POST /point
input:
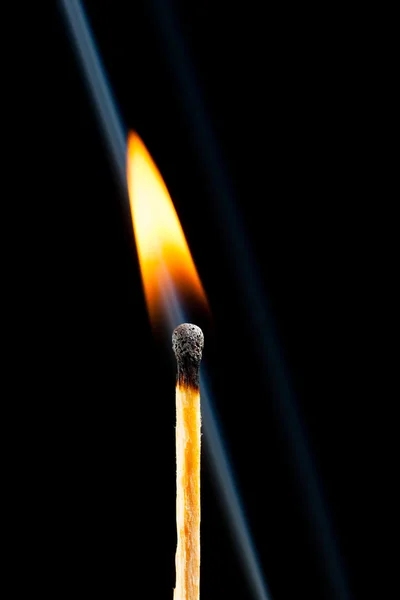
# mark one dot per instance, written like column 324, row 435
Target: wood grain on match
column 187, row 341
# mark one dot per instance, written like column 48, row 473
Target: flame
column 166, row 264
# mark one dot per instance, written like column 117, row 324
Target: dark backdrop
column 280, row 89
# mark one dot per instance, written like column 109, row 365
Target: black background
column 282, row 91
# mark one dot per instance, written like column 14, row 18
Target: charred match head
column 187, row 343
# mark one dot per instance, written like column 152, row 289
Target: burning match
column 171, row 284
column 168, row 272
column 187, row 343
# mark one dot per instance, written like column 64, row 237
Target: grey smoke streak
column 115, row 136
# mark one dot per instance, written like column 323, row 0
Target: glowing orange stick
column 187, row 341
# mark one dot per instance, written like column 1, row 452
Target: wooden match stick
column 187, row 343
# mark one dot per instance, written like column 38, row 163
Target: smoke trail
column 115, row 136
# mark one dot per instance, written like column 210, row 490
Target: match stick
column 187, row 343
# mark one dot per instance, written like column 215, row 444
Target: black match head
column 188, row 343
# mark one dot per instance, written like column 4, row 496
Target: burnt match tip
column 188, row 343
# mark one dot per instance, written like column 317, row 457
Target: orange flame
column 165, row 261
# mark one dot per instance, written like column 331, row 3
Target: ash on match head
column 188, row 343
